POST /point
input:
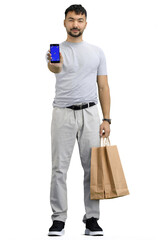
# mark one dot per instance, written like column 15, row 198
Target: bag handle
column 105, row 142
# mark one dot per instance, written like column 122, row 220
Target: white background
column 128, row 32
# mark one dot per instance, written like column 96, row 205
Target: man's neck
column 74, row 39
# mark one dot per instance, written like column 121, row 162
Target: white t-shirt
column 77, row 82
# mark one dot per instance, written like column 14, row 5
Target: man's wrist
column 107, row 119
column 54, row 69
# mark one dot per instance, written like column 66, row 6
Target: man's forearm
column 104, row 97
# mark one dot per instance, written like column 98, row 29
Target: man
column 75, row 116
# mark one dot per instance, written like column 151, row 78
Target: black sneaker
column 57, row 228
column 92, row 227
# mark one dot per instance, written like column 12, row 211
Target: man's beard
column 76, row 35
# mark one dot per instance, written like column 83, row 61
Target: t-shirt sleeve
column 102, row 68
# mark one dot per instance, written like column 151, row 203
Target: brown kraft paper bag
column 107, row 178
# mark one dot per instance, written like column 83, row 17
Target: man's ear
column 86, row 25
column 64, row 23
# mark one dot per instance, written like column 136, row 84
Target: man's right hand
column 56, row 65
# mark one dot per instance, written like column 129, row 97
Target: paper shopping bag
column 107, row 178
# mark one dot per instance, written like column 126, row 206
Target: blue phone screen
column 55, row 53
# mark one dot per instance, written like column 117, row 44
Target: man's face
column 75, row 24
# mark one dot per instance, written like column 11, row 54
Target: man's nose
column 75, row 24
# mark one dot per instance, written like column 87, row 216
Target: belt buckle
column 81, row 105
column 86, row 104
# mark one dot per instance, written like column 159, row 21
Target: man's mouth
column 75, row 30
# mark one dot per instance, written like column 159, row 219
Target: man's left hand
column 106, row 127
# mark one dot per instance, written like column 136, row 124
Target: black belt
column 81, row 106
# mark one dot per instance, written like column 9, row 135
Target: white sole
column 95, row 233
column 54, row 233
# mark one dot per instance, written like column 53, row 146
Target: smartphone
column 55, row 55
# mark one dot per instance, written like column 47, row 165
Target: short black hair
column 77, row 8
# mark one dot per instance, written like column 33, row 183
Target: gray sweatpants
column 67, row 126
